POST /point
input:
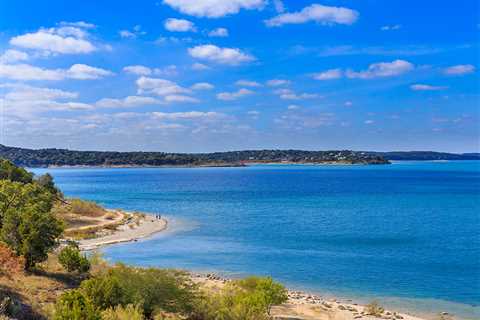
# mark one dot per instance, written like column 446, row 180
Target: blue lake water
column 406, row 233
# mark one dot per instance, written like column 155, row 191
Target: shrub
column 10, row 263
column 130, row 312
column 374, row 309
column 72, row 260
column 73, row 305
column 248, row 299
column 151, row 289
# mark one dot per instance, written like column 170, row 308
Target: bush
column 130, row 312
column 72, row 260
column 73, row 305
column 374, row 309
column 10, row 263
column 150, row 289
column 248, row 299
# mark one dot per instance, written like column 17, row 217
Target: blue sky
column 212, row 75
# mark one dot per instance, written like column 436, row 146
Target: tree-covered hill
column 63, row 157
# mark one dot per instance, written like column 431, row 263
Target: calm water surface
column 408, row 233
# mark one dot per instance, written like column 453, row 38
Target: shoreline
column 301, row 305
column 130, row 231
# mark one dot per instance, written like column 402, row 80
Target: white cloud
column 234, row 95
column 230, row 56
column 279, row 6
column 26, row 92
column 247, row 83
column 179, row 25
column 127, row 34
column 199, row 66
column 213, row 8
column 287, row 94
column 318, row 13
column 426, row 87
column 138, row 70
column 127, row 102
column 277, row 82
column 190, row 115
column 391, row 27
column 348, row 103
column 219, row 32
column 78, row 24
column 86, row 72
column 12, row 55
column 160, row 87
column 369, row 122
column 180, row 98
column 29, row 72
column 293, row 107
column 382, row 69
column 202, row 86
column 136, row 32
column 170, row 70
column 328, row 75
column 460, row 69
column 63, row 40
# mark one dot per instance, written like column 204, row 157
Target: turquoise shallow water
column 408, row 233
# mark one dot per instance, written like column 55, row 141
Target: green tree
column 27, row 226
column 273, row 293
column 72, row 260
column 46, row 182
column 73, row 305
column 9, row 171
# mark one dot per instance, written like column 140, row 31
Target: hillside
column 63, row 157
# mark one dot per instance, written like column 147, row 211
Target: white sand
column 128, row 232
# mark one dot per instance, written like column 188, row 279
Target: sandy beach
column 130, row 231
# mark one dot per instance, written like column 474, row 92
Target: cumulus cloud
column 180, row 98
column 202, row 86
column 426, row 87
column 293, row 107
column 199, row 66
column 460, row 69
column 133, row 34
column 228, row 96
column 26, row 92
column 277, row 82
column 127, row 102
column 328, row 75
column 247, row 83
column 213, row 8
column 63, row 40
column 279, row 6
column 316, row 13
column 29, row 72
column 382, row 69
column 160, row 87
column 78, row 24
column 229, row 56
column 86, row 72
column 12, row 55
column 189, row 115
column 138, row 70
column 179, row 25
column 287, row 94
column 218, row 32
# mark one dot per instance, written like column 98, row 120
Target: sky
column 217, row 75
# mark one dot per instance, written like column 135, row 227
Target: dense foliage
column 62, row 157
column 72, row 260
column 27, row 225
